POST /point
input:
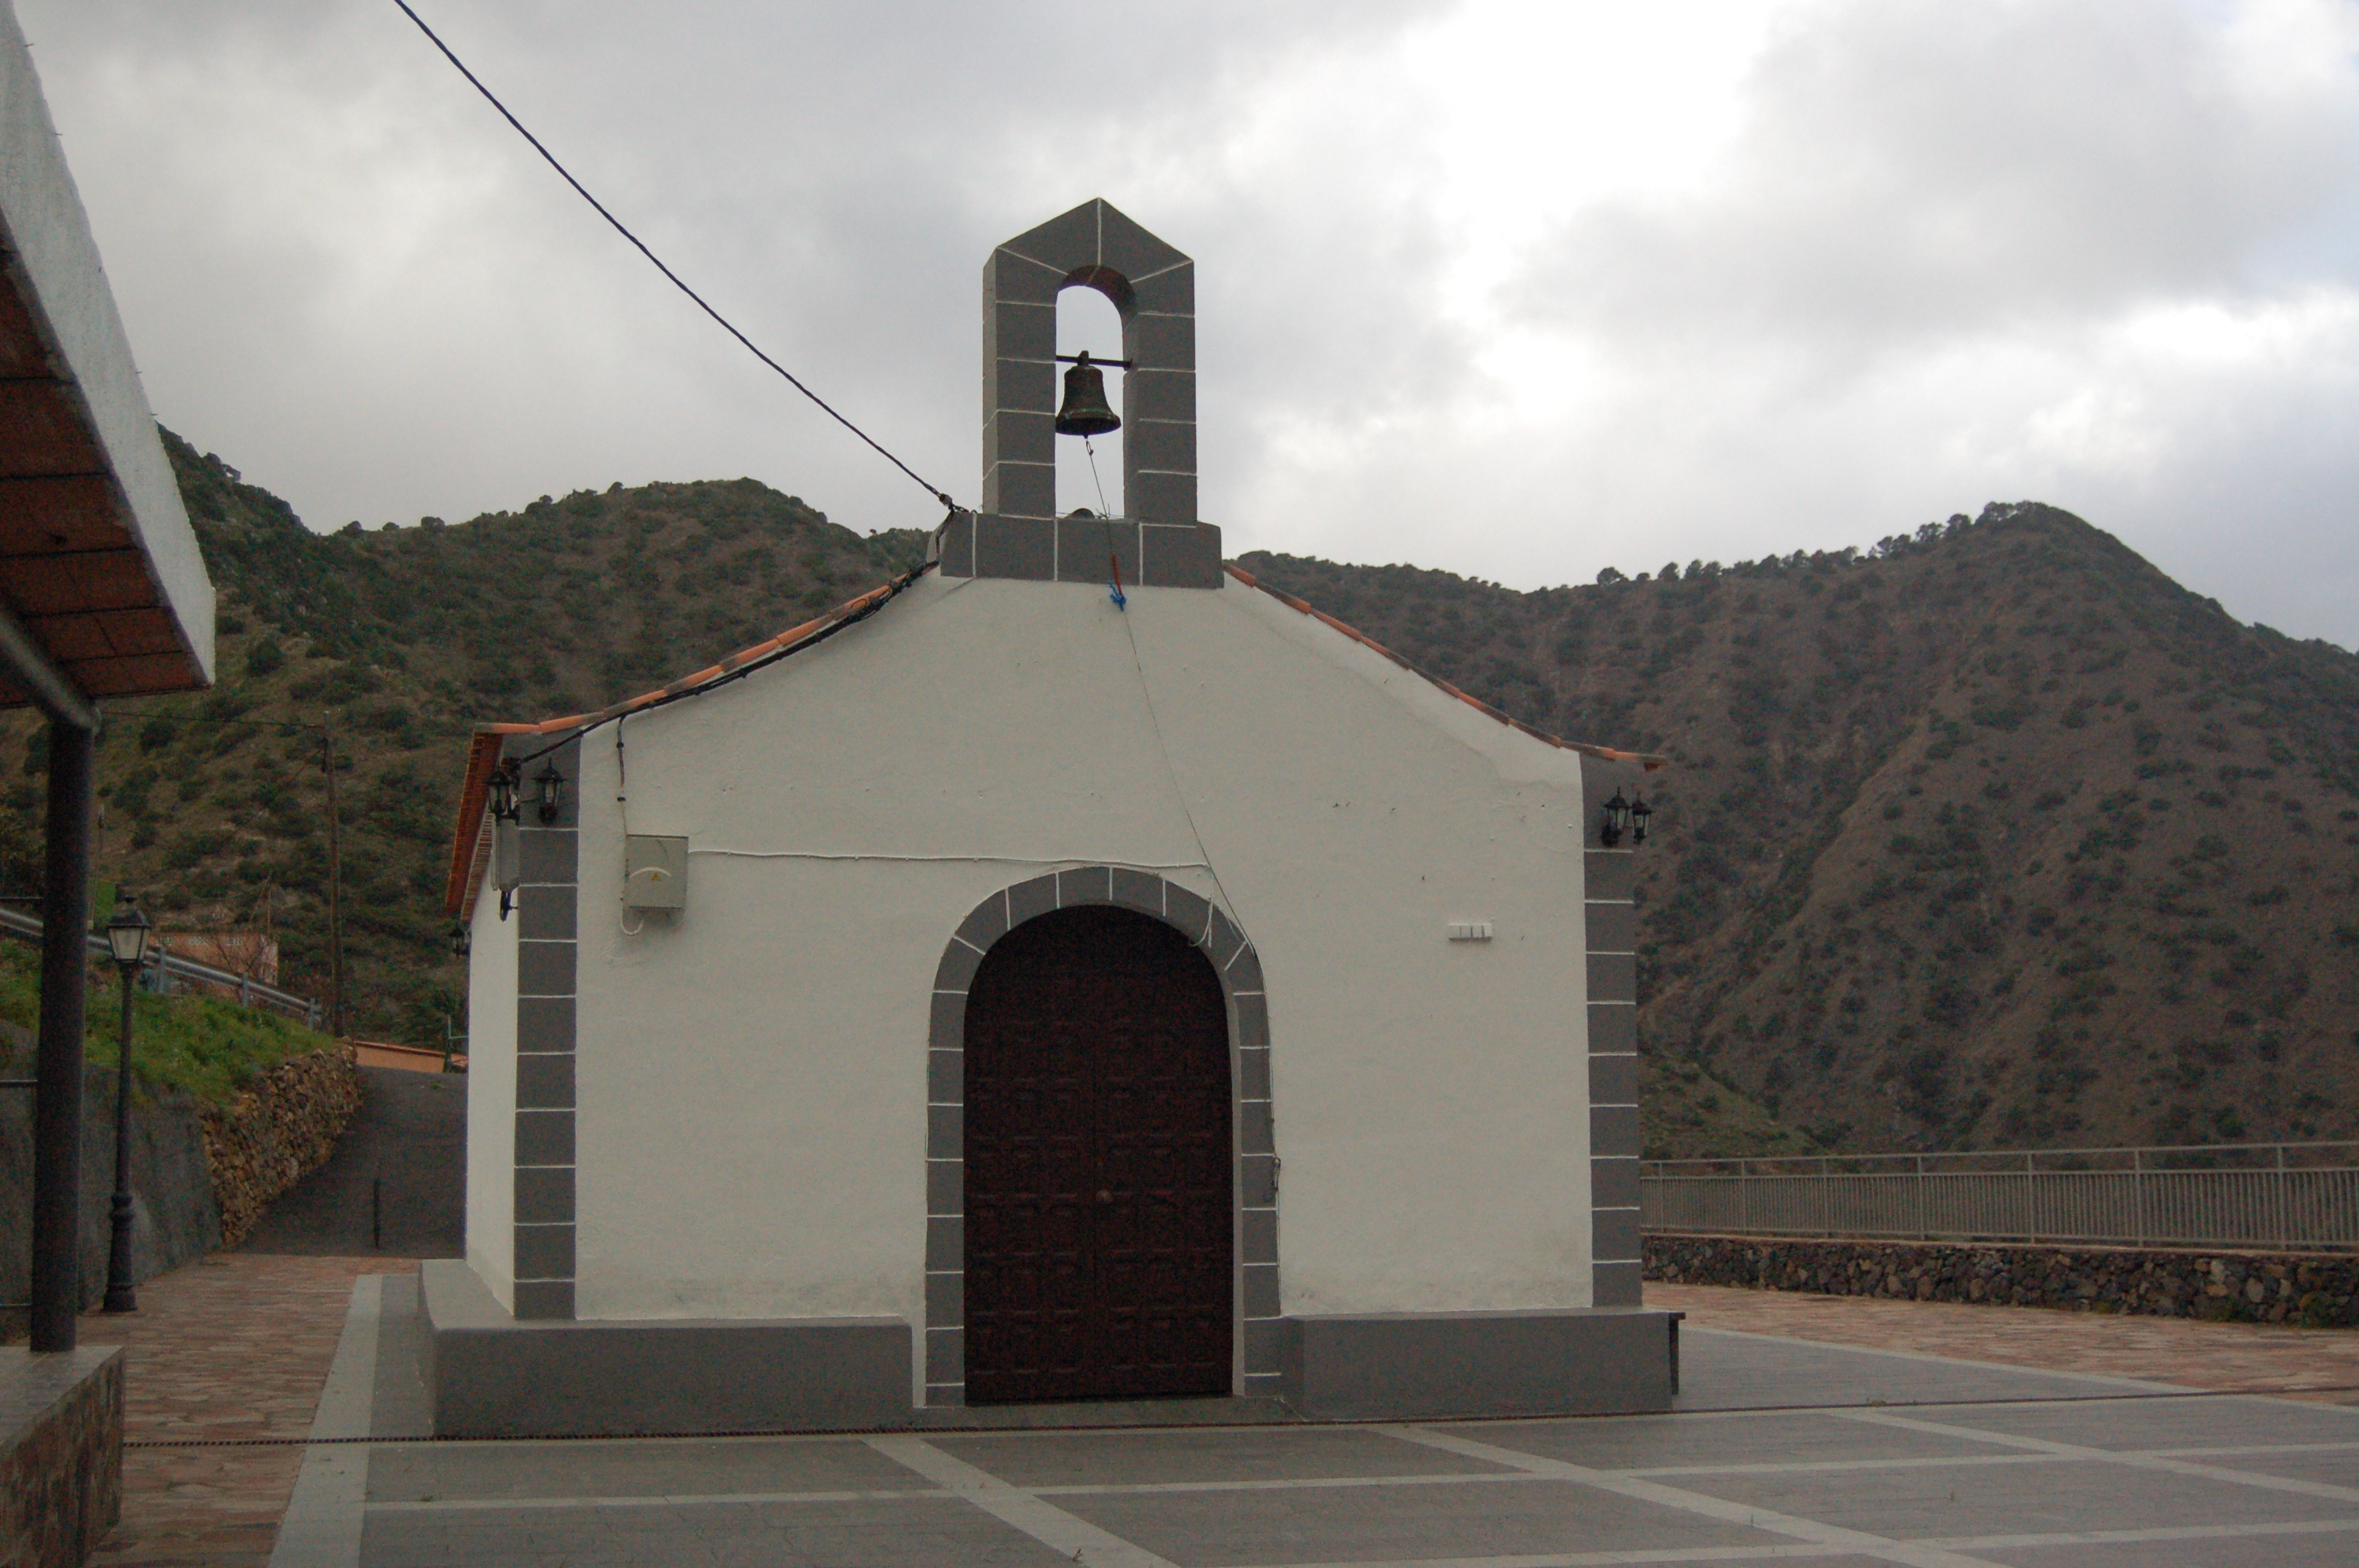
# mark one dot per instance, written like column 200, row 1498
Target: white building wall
column 750, row 1120
column 491, row 1098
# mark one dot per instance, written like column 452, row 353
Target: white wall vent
column 1470, row 931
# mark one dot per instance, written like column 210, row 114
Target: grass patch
column 208, row 1046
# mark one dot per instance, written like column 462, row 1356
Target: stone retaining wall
column 276, row 1132
column 2318, row 1290
column 173, row 1217
column 199, row 1177
column 61, row 1455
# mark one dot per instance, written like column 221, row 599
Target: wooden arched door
column 1099, row 1185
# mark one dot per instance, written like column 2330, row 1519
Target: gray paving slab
column 2031, row 1498
column 403, row 1405
column 1398, row 1523
column 1634, row 1443
column 1944, row 1457
column 2299, row 1547
column 2214, row 1422
column 2331, row 1469
column 1134, row 1458
column 648, row 1467
column 1719, row 1369
column 924, row 1532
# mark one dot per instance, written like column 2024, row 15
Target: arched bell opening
column 1090, row 321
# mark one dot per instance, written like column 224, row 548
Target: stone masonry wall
column 275, row 1132
column 2318, row 1290
column 61, row 1455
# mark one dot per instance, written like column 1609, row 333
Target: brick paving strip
column 235, row 1346
column 2318, row 1364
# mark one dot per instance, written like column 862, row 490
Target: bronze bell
column 1085, row 411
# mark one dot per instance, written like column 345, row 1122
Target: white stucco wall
column 491, row 1098
column 751, row 1123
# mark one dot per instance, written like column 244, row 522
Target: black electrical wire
column 940, row 496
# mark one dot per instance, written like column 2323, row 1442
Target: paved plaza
column 1812, row 1432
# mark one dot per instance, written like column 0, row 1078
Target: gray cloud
column 1912, row 170
column 1519, row 291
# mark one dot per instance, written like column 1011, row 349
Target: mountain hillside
column 214, row 805
column 1991, row 836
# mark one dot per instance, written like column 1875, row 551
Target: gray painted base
column 1420, row 1365
column 490, row 1376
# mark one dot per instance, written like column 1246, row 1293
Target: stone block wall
column 275, row 1132
column 201, row 1177
column 61, row 1455
column 2316, row 1290
column 173, row 1214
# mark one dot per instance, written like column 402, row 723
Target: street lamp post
column 127, row 934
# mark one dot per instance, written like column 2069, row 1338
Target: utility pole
column 336, row 888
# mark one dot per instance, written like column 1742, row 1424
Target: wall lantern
column 463, row 939
column 1641, row 814
column 507, row 844
column 504, row 790
column 551, row 784
column 1613, row 820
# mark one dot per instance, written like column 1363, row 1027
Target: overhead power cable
column 726, row 326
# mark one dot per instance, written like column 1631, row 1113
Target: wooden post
column 335, row 889
column 57, row 1103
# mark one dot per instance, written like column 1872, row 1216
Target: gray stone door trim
column 1260, row 1367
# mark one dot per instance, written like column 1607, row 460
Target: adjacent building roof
column 101, row 579
column 471, row 841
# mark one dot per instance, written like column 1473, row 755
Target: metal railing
column 2302, row 1197
column 251, row 991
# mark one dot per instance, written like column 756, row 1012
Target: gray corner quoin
column 1611, row 920
column 547, row 917
column 1259, row 1358
column 1017, row 534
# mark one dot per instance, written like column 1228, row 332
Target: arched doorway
column 1099, row 1201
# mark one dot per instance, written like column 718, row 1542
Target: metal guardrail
column 2299, row 1197
column 251, row 992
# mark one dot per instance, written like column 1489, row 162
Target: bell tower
column 1017, row 534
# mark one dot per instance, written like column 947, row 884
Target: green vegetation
column 1989, row 835
column 214, row 805
column 208, row 1046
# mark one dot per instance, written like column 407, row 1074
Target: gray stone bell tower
column 1017, row 534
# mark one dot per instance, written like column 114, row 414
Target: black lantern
column 126, row 932
column 551, row 784
column 1641, row 814
column 1613, row 820
column 504, row 790
column 463, row 939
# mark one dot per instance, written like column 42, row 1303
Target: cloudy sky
column 1520, row 291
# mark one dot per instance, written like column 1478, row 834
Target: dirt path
column 2322, row 1364
column 411, row 1137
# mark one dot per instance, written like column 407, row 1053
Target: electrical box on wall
column 655, row 872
